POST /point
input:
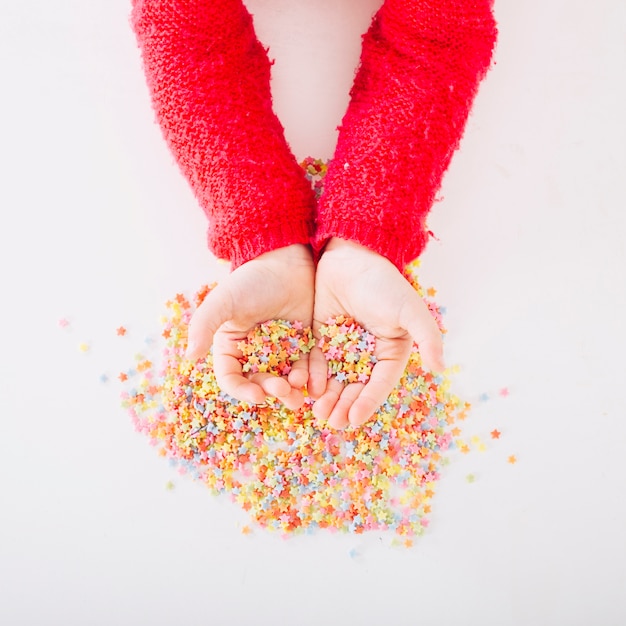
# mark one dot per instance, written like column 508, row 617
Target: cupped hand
column 275, row 285
column 356, row 281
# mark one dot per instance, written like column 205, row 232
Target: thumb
column 205, row 322
column 418, row 321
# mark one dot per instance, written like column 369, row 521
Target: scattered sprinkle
column 104, row 378
column 504, row 392
column 512, row 459
column 495, row 434
column 289, row 472
column 121, row 331
column 83, row 347
column 63, row 323
column 169, row 485
column 470, row 478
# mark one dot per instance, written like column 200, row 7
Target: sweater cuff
column 252, row 242
column 399, row 247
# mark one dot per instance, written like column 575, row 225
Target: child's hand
column 356, row 281
column 276, row 285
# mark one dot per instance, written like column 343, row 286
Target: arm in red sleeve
column 209, row 79
column 421, row 63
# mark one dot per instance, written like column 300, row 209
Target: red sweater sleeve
column 421, row 63
column 209, row 79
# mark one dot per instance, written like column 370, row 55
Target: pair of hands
column 284, row 284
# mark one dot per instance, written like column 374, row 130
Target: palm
column 275, row 285
column 351, row 279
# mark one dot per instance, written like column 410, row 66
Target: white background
column 98, row 226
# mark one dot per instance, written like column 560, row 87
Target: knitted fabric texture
column 421, row 63
column 420, row 67
column 209, row 79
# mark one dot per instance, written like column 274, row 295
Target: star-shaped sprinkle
column 63, row 323
column 512, row 459
column 495, row 434
column 83, row 347
column 121, row 331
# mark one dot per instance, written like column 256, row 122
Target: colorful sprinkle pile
column 315, row 170
column 349, row 350
column 290, row 472
column 274, row 346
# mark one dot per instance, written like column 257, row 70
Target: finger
column 299, row 375
column 339, row 415
column 323, row 406
column 385, row 376
column 417, row 319
column 240, row 388
column 431, row 353
column 206, row 320
column 280, row 388
column 294, row 400
column 229, row 374
column 318, row 373
column 271, row 384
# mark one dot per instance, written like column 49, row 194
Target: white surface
column 98, row 226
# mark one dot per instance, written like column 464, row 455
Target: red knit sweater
column 209, row 78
